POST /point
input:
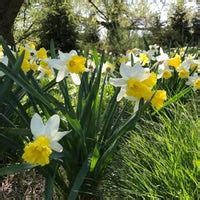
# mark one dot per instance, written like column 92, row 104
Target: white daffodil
column 163, row 57
column 194, row 81
column 46, row 137
column 136, row 83
column 49, row 130
column 68, row 64
column 108, row 67
column 193, row 64
column 164, row 71
column 184, row 70
column 153, row 51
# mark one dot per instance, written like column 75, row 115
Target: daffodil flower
column 163, row 57
column 108, row 67
column 175, row 61
column 68, row 64
column 194, row 81
column 45, row 139
column 136, row 83
column 184, row 70
column 164, row 71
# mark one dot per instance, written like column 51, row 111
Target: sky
column 162, row 6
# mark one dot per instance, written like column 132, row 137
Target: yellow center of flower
column 175, row 61
column 42, row 53
column 38, row 151
column 158, row 99
column 183, row 73
column 76, row 64
column 197, row 84
column 167, row 74
column 151, row 81
column 138, row 89
column 144, row 59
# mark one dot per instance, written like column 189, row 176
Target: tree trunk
column 8, row 12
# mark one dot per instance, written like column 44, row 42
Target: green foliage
column 56, row 24
column 88, row 149
column 158, row 160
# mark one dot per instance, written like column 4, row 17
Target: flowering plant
column 35, row 87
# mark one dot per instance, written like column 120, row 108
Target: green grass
column 157, row 161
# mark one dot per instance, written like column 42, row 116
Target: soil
column 23, row 186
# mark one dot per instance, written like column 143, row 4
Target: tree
column 8, row 12
column 196, row 29
column 57, row 25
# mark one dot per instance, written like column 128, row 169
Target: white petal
column 60, row 76
column 117, row 82
column 63, row 56
column 75, row 78
column 59, row 135
column 139, row 73
column 52, row 126
column 56, row 146
column 72, row 53
column 125, row 70
column 37, row 126
column 57, row 64
column 121, row 94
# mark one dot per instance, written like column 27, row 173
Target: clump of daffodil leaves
column 67, row 90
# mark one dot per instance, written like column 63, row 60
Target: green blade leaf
column 78, row 181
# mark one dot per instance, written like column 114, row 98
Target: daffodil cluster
column 138, row 83
column 166, row 65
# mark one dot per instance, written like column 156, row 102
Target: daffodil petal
column 125, row 70
column 59, row 135
column 117, row 82
column 76, row 78
column 56, row 64
column 60, row 76
column 52, row 126
column 56, row 146
column 72, row 53
column 63, row 56
column 37, row 126
column 121, row 94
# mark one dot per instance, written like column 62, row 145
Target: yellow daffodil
column 68, row 63
column 175, row 61
column 46, row 139
column 144, row 59
column 194, row 81
column 158, row 99
column 136, row 83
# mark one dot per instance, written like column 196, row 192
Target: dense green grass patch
column 159, row 159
